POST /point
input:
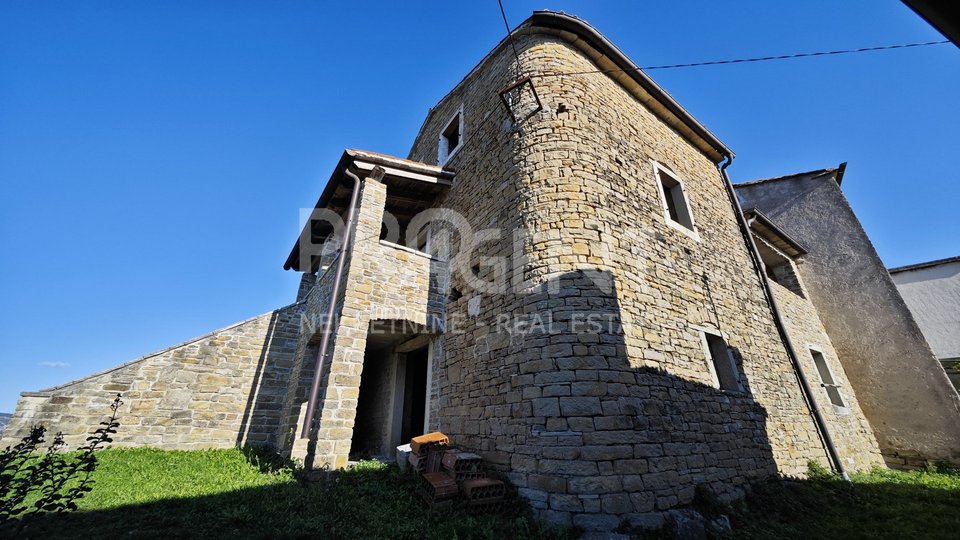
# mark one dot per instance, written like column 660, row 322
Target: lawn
column 148, row 493
column 881, row 504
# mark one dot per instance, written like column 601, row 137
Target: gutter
column 328, row 326
column 818, row 419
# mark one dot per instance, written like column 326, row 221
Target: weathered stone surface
column 219, row 390
column 571, row 358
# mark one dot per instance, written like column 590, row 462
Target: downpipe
column 778, row 320
column 328, row 326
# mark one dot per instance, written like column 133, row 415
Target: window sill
column 692, row 233
column 410, row 250
column 450, row 155
column 840, row 411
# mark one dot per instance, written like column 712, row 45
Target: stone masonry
column 602, row 427
column 857, row 444
column 903, row 391
column 383, row 282
column 220, row 390
column 566, row 333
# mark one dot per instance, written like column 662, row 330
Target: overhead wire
column 510, row 37
column 748, row 60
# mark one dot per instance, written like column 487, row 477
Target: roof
column 421, row 181
column 772, row 233
column 609, row 58
column 944, row 16
column 837, row 172
column 921, row 266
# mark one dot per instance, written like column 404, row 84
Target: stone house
column 559, row 276
column 903, row 391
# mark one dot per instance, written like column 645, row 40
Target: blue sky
column 154, row 155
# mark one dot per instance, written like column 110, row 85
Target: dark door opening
column 414, row 395
column 372, row 422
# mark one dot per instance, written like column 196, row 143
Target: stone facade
column 559, row 316
column 220, row 390
column 853, row 435
column 384, row 282
column 910, row 403
column 600, row 427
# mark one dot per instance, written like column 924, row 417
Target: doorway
column 372, row 422
column 413, row 413
column 392, row 404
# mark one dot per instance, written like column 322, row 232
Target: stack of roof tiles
column 446, row 473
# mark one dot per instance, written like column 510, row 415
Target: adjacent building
column 912, row 407
column 932, row 292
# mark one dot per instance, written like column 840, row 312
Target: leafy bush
column 34, row 481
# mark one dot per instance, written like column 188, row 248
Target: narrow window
column 423, row 240
column 451, row 138
column 721, row 363
column 826, row 378
column 675, row 205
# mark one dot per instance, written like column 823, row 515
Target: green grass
column 877, row 505
column 148, row 493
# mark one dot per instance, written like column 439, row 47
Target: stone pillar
column 338, row 407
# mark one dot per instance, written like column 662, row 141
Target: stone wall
column 219, row 390
column 849, row 428
column 381, row 282
column 600, row 426
column 912, row 406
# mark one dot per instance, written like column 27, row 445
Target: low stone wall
column 218, row 390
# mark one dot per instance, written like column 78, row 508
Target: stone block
column 580, row 406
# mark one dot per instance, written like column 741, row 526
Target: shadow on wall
column 268, row 388
column 593, row 434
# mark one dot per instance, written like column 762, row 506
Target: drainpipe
column 778, row 320
column 331, row 309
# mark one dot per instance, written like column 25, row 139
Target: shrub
column 34, row 481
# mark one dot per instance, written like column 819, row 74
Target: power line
column 746, row 60
column 510, row 36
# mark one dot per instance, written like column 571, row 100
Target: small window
column 723, row 368
column 674, row 198
column 423, row 240
column 451, row 138
column 778, row 267
column 826, row 378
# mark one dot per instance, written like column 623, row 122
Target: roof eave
column 668, row 107
column 921, row 266
column 362, row 163
column 790, row 246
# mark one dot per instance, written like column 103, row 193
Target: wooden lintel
column 414, row 343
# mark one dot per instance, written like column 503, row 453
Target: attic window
column 676, row 209
column 451, row 138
